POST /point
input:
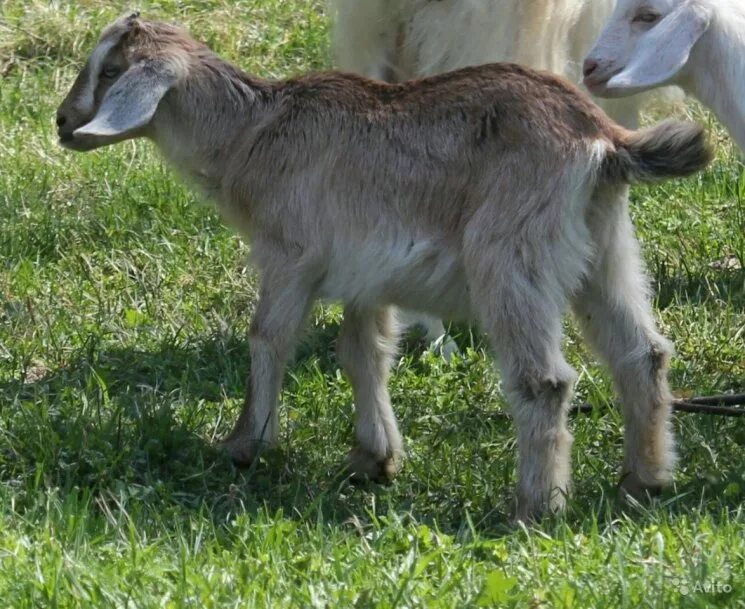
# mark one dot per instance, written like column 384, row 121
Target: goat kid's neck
column 206, row 118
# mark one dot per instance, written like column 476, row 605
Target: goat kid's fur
column 698, row 45
column 495, row 194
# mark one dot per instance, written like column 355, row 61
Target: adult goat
column 698, row 45
column 398, row 40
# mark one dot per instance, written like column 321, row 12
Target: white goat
column 696, row 44
column 397, row 40
column 493, row 194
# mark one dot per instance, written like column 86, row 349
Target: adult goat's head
column 647, row 43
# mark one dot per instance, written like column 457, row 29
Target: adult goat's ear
column 663, row 50
column 130, row 103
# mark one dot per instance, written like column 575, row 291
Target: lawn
column 124, row 307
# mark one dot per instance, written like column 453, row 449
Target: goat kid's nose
column 589, row 67
column 61, row 120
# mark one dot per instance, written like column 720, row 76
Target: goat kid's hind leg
column 283, row 304
column 539, row 392
column 523, row 321
column 615, row 313
column 365, row 349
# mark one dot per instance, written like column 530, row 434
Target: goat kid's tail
column 666, row 150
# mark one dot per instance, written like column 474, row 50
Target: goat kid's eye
column 647, row 18
column 110, row 72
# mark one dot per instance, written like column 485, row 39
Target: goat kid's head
column 647, row 43
column 116, row 95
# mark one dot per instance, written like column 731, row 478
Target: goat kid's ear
column 664, row 50
column 129, row 104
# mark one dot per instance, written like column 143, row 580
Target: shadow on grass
column 145, row 423
column 140, row 424
column 678, row 285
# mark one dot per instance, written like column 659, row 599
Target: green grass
column 124, row 306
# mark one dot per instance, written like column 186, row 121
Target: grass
column 124, row 306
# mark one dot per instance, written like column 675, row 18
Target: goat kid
column 495, row 194
column 696, row 44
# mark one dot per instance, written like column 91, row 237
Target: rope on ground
column 727, row 405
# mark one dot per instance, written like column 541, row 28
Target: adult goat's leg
column 434, row 331
column 365, row 349
column 284, row 300
column 615, row 313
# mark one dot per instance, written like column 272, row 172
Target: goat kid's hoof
column 632, row 489
column 534, row 514
column 527, row 517
column 243, row 452
column 364, row 466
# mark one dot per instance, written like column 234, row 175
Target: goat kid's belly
column 415, row 274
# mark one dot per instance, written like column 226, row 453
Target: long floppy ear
column 664, row 50
column 130, row 103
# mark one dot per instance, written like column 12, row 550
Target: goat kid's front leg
column 283, row 305
column 366, row 346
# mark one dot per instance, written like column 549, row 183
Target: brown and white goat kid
column 495, row 194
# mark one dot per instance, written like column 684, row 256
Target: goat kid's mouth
column 68, row 140
column 78, row 144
